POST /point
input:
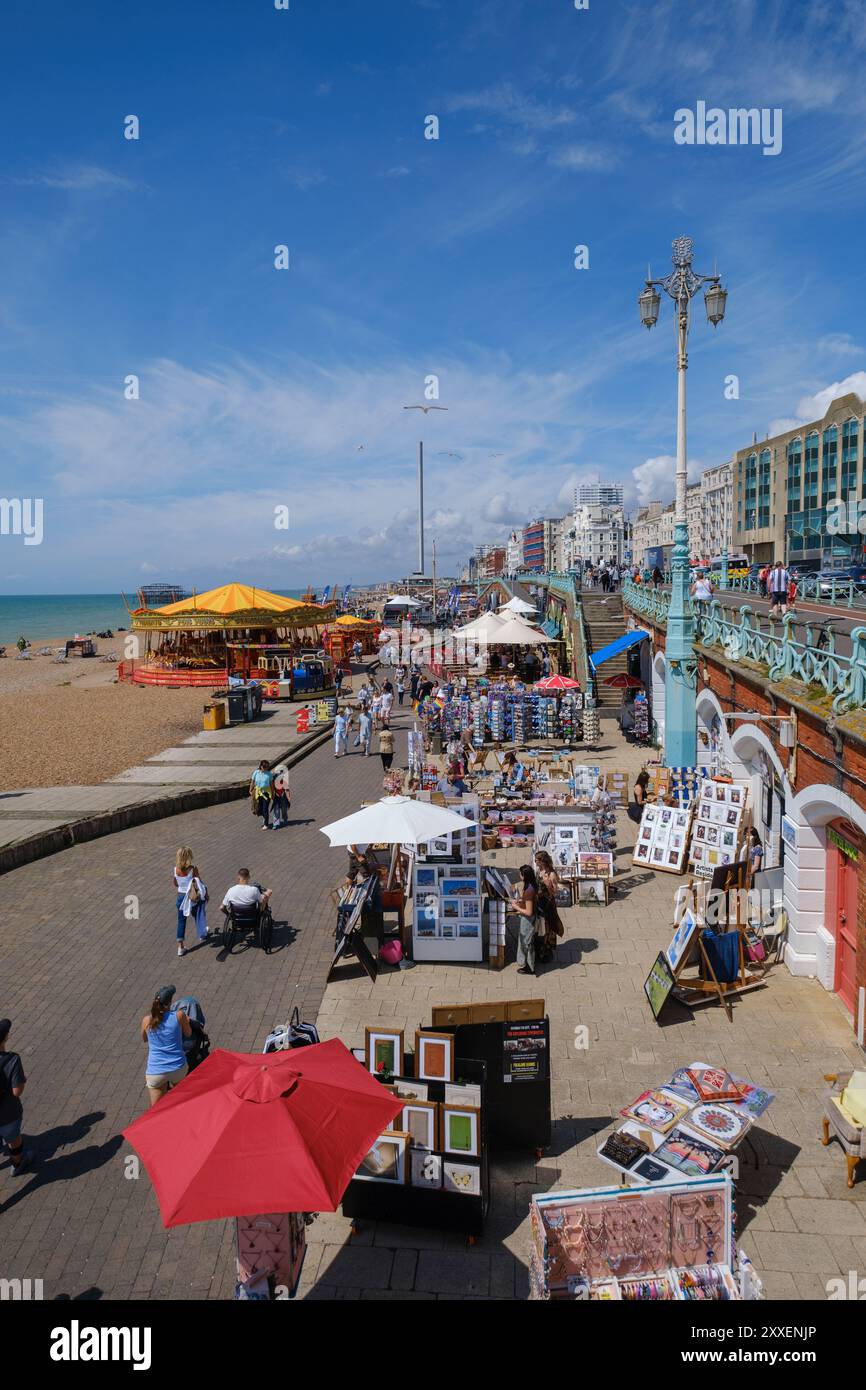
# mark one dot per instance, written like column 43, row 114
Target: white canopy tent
column 517, row 605
column 401, row 601
column 395, row 820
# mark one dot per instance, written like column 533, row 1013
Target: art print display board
column 663, row 838
column 463, row 845
column 448, row 906
column 719, row 825
column 565, row 834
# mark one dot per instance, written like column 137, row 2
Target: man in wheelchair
column 246, row 906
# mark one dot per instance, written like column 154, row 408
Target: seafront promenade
column 79, row 973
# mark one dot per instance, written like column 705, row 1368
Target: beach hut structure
column 233, row 630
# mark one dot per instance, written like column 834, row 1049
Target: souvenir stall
column 447, row 889
column 689, row 1126
column 431, row 1167
column 669, row 1243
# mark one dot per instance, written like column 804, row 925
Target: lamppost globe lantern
column 715, row 299
column 649, row 302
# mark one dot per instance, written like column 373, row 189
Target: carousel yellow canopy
column 237, row 598
column 351, row 620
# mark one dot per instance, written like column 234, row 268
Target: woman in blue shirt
column 164, row 1032
column 261, row 791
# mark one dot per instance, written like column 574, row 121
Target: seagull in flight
column 446, row 455
column 497, row 456
column 425, row 408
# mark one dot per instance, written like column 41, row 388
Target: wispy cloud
column 80, row 178
column 512, row 107
column 582, row 158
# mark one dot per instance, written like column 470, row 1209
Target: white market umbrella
column 517, row 634
column 517, row 605
column 395, row 820
column 401, row 601
column 486, row 626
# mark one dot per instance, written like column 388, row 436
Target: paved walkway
column 77, row 977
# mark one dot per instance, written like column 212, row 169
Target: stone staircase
column 604, row 621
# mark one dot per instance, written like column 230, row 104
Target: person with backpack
column 192, row 897
column 12, row 1083
column 163, row 1033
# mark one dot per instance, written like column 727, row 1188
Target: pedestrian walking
column 549, row 884
column 386, row 748
column 605, row 579
column 341, row 733
column 401, row 687
column 365, row 732
column 282, row 798
column 163, row 1033
column 357, row 649
column 12, row 1083
column 525, row 904
column 792, row 592
column 657, row 578
column 414, row 682
column 702, row 592
column 387, row 705
column 338, row 680
column 262, row 791
column 376, row 709
column 778, row 588
column 191, row 897
column 763, row 577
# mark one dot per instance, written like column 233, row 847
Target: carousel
column 341, row 636
column 233, row 631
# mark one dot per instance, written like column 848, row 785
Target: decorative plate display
column 721, row 1124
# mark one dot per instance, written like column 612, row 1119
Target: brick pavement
column 77, row 980
column 77, row 977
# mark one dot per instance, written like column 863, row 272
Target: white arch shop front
column 659, row 667
column 825, row 841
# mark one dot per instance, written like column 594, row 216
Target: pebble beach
column 73, row 723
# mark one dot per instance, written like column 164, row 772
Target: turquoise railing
column 737, row 633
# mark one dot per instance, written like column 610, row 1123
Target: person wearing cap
column 164, row 1032
column 12, row 1083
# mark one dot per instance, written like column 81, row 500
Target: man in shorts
column 12, row 1083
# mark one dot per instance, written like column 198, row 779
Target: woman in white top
column 191, row 897
column 702, row 592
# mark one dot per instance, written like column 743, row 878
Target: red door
column 843, row 923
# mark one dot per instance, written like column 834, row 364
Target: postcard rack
column 410, row 1205
column 668, row 1243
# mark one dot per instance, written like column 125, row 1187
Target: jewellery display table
column 674, row 1242
column 683, row 1134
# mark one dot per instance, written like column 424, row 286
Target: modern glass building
column 782, row 487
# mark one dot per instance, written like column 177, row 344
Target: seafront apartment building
column 782, row 486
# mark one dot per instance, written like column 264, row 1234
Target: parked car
column 825, row 578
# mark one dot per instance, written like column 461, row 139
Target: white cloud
column 398, row 171
column 842, row 344
column 655, row 479
column 582, row 157
column 815, row 407
column 513, row 108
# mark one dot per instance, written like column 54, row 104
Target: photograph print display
column 420, row 1120
column 681, row 940
column 386, row 1160
column 426, row 1168
column 434, row 1056
column 460, row 1131
column 461, row 1178
column 384, row 1051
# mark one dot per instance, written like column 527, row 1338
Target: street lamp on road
column 681, row 285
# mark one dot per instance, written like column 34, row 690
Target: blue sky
column 408, row 257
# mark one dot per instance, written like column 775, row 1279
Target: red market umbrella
column 557, row 683
column 624, row 682
column 251, row 1132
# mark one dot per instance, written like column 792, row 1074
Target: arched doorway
column 825, row 881
column 758, row 763
column 714, row 745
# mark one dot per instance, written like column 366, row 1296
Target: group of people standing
column 604, row 576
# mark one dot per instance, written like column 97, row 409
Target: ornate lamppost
column 682, row 285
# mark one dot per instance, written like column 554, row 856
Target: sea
column 37, row 616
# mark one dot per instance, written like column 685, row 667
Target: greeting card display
column 663, row 838
column 447, row 917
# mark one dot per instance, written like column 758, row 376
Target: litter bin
column 236, row 701
column 214, row 716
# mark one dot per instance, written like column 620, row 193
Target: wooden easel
column 706, row 983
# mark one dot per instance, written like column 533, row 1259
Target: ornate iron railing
column 814, row 663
